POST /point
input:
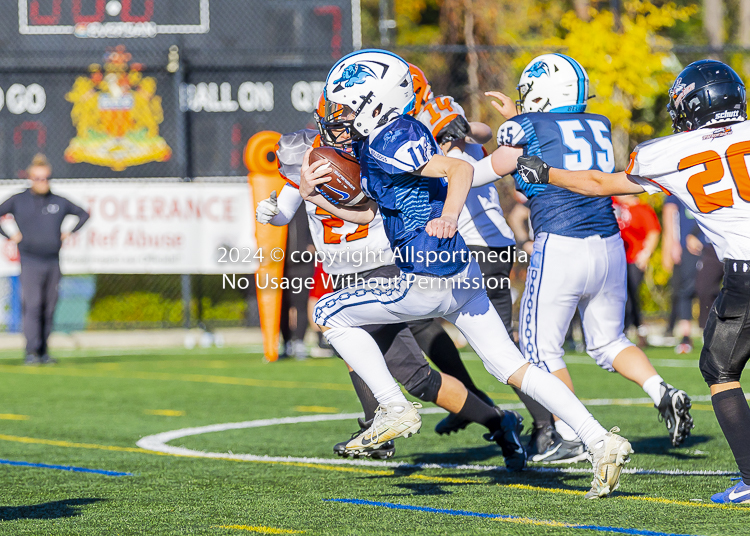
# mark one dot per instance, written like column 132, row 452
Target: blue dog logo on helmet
column 538, row 69
column 355, row 74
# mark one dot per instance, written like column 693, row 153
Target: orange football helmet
column 422, row 89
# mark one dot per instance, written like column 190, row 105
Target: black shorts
column 726, row 347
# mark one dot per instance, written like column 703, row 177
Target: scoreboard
column 94, row 84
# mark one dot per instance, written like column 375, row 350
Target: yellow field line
column 165, row 412
column 658, row 500
column 261, row 529
column 167, row 376
column 316, row 409
column 13, row 417
column 340, row 469
column 537, row 522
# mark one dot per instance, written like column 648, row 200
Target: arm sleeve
column 83, row 216
column 288, row 202
column 484, row 173
column 644, row 173
column 6, row 207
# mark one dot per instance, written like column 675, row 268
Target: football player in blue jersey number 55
column 579, row 257
column 420, row 194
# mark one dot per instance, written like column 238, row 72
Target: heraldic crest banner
column 117, row 114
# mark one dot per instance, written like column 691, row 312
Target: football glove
column 457, row 129
column 533, row 170
column 267, row 209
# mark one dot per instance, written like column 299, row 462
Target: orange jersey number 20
column 714, row 172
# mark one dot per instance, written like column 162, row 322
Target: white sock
column 554, row 395
column 567, row 433
column 361, row 352
column 652, row 387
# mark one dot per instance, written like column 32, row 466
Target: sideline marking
column 64, row 468
column 13, row 417
column 264, row 530
column 165, row 412
column 505, row 518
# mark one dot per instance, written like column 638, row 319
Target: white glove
column 267, row 209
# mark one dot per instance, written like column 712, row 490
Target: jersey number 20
column 714, row 172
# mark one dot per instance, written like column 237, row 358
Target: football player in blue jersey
column 579, row 257
column 420, row 194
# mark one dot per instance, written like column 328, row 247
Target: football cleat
column 543, row 441
column 608, row 455
column 508, row 437
column 397, row 419
column 381, row 452
column 737, row 494
column 454, row 423
column 674, row 410
column 565, row 452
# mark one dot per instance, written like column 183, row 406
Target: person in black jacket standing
column 39, row 215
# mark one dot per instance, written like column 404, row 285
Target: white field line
column 158, row 443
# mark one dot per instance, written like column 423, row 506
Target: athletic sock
column 733, row 415
column 366, row 398
column 439, row 347
column 539, row 413
column 362, row 354
column 565, row 431
column 653, row 388
column 475, row 410
column 554, row 395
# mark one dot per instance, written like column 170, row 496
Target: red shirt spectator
column 636, row 220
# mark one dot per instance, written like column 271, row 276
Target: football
column 344, row 187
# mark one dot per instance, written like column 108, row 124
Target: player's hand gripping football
column 312, row 174
column 267, row 209
column 533, row 170
column 442, row 227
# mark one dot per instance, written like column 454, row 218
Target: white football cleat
column 608, row 455
column 397, row 419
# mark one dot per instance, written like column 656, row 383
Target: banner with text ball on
column 151, row 228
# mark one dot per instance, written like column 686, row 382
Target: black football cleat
column 508, row 437
column 674, row 410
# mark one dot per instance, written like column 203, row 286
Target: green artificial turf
column 94, row 400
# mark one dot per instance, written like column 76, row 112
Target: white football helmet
column 553, row 83
column 365, row 90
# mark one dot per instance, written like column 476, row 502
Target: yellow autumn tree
column 627, row 69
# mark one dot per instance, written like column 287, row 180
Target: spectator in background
column 294, row 319
column 709, row 278
column 39, row 215
column 681, row 254
column 640, row 230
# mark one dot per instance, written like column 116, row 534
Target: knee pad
column 605, row 355
column 425, row 384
